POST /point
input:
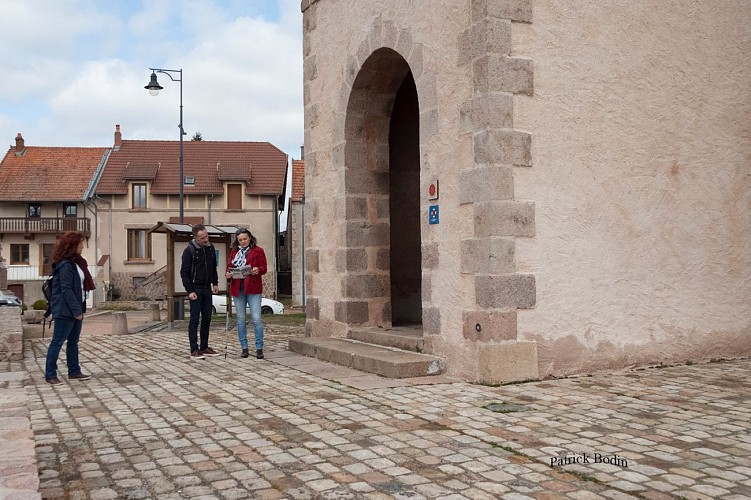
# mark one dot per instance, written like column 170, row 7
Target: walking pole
column 226, row 323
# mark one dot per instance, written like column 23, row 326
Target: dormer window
column 138, row 200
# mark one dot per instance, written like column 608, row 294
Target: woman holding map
column 245, row 266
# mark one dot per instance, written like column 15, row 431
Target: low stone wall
column 11, row 334
column 19, row 471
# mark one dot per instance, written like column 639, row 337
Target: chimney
column 118, row 136
column 302, row 152
column 19, row 143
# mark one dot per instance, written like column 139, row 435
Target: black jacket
column 198, row 269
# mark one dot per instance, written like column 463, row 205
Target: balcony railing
column 34, row 273
column 47, row 225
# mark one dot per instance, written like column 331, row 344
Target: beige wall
column 626, row 217
column 640, row 178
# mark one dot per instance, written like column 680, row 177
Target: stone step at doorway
column 407, row 338
column 384, row 361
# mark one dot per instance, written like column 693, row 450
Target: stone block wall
column 11, row 334
column 498, row 219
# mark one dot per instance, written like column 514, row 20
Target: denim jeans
column 200, row 309
column 66, row 329
column 253, row 302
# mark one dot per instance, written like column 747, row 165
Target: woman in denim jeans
column 247, row 291
column 70, row 283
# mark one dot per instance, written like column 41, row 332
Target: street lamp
column 153, row 87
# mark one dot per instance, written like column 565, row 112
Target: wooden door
column 45, row 257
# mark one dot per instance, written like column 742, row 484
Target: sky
column 73, row 69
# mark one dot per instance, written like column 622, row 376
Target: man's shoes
column 196, row 355
column 53, row 381
column 79, row 376
column 209, row 352
column 259, row 354
column 245, row 354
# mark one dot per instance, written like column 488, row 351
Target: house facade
column 545, row 188
column 224, row 184
column 45, row 191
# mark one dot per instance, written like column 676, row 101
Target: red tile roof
column 207, row 161
column 48, row 173
column 298, row 180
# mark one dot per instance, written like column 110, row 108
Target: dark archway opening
column 404, row 206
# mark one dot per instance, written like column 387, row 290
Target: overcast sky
column 72, row 69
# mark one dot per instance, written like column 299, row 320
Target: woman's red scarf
column 88, row 281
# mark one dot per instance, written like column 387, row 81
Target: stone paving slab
column 153, row 424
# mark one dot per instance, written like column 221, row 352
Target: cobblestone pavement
column 153, row 424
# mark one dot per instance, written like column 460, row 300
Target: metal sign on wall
column 433, row 214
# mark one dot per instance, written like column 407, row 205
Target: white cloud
column 242, row 72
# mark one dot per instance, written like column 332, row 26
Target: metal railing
column 53, row 225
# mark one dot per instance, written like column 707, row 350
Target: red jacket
column 253, row 284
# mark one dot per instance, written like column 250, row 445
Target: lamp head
column 153, row 87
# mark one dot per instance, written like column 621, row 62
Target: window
column 19, row 254
column 70, row 210
column 234, row 197
column 35, row 209
column 139, row 196
column 139, row 244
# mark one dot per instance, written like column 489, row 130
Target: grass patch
column 296, row 319
column 114, row 306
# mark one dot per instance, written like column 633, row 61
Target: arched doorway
column 383, row 280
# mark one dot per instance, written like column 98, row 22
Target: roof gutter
column 89, row 193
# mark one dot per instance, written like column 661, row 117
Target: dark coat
column 67, row 296
column 198, row 268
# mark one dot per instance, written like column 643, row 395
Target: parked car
column 7, row 299
column 268, row 306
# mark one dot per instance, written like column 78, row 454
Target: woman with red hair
column 71, row 281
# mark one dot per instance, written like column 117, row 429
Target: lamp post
column 153, row 87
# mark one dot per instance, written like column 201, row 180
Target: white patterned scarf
column 240, row 257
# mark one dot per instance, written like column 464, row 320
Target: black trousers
column 200, row 309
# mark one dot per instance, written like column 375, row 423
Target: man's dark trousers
column 201, row 307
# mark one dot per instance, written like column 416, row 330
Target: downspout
column 276, row 246
column 209, row 218
column 90, row 195
column 109, row 259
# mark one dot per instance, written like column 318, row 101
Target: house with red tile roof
column 225, row 183
column 45, row 191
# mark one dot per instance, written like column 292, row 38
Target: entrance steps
column 389, row 359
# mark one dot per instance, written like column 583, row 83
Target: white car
column 268, row 306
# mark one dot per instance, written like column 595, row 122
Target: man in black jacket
column 200, row 279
